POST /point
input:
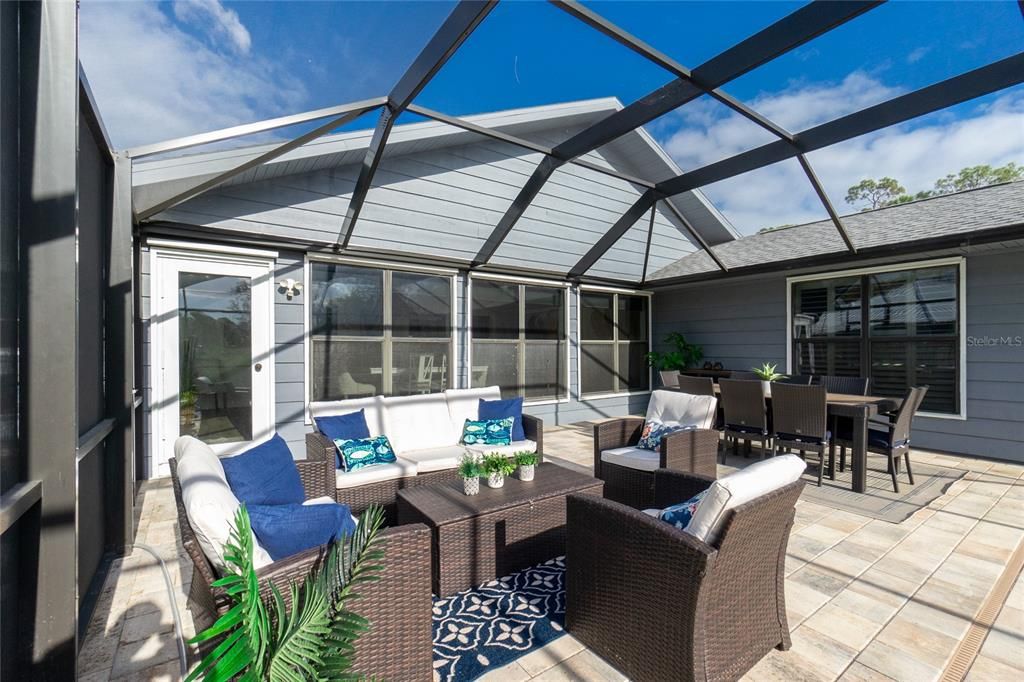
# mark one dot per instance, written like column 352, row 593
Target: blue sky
column 163, row 70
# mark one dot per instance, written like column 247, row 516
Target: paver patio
column 867, row 599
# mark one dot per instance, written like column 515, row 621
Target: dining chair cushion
column 738, row 488
column 265, row 474
column 632, row 457
column 679, row 515
column 876, row 437
column 287, row 529
column 654, row 431
column 685, row 408
column 499, row 409
column 794, row 438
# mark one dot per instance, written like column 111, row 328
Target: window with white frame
column 899, row 327
column 519, row 338
column 614, row 342
column 378, row 331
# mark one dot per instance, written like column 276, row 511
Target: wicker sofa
column 398, row 605
column 628, row 471
column 659, row 604
column 423, row 429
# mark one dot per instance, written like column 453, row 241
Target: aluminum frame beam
column 647, row 249
column 459, row 25
column 220, row 178
column 788, row 33
column 267, row 125
column 826, row 202
column 976, row 83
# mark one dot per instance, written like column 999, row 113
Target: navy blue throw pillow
column 287, row 529
column 265, row 474
column 343, row 427
column 499, row 409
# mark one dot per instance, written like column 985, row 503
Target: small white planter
column 495, row 480
column 471, row 486
column 526, row 472
column 767, row 388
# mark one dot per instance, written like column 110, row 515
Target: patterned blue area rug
column 484, row 628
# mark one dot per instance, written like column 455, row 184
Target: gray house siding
column 743, row 323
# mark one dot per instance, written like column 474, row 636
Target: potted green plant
column 683, row 355
column 767, row 374
column 527, row 463
column 497, row 468
column 470, row 470
column 260, row 638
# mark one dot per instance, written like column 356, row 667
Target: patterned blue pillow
column 679, row 515
column 357, row 453
column 488, row 431
column 654, row 431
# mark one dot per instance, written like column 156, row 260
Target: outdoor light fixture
column 290, row 287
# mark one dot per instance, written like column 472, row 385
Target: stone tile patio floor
column 867, row 600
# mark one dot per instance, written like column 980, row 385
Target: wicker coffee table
column 500, row 531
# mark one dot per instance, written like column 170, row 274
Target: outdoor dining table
column 859, row 409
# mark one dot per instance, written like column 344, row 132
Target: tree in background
column 877, row 193
column 889, row 192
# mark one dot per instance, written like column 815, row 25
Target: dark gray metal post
column 647, row 249
column 826, row 202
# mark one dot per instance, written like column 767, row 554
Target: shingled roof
column 965, row 212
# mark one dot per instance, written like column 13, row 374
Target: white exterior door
column 212, row 359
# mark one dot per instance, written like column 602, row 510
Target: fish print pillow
column 488, row 431
column 654, row 431
column 357, row 453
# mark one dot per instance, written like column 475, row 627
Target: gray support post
column 647, row 249
column 825, row 201
column 49, row 354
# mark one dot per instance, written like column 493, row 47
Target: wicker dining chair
column 696, row 385
column 798, row 379
column 745, row 417
column 659, row 604
column 893, row 442
column 668, row 377
column 800, row 422
column 743, row 375
column 846, row 386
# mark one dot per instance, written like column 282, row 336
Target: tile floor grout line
column 910, row 598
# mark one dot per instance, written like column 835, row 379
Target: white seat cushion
column 436, row 459
column 373, row 410
column 505, row 450
column 209, row 503
column 632, row 457
column 375, row 473
column 739, row 488
column 656, row 513
column 418, row 422
column 464, row 403
column 685, row 408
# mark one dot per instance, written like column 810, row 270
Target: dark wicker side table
column 500, row 531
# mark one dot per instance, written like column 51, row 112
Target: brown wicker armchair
column 398, row 645
column 691, row 451
column 659, row 604
column 320, row 449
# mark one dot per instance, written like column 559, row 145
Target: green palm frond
column 313, row 639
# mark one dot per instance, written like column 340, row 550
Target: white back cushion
column 464, row 403
column 209, row 502
column 417, row 422
column 739, row 488
column 373, row 409
column 685, row 408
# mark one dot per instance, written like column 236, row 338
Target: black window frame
column 865, row 340
column 521, row 340
column 616, row 343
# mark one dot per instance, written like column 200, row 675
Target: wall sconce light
column 290, row 287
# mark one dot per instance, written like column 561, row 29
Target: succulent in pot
column 527, row 463
column 767, row 374
column 470, row 469
column 497, row 468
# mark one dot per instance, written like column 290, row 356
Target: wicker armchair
column 659, row 604
column 322, row 450
column 690, row 451
column 398, row 645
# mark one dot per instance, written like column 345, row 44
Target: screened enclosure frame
column 788, row 33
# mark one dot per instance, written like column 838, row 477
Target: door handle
column 259, row 366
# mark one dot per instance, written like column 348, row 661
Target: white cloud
column 917, row 55
column 210, row 15
column 916, row 153
column 155, row 79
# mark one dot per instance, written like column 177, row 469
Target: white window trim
column 958, row 261
column 307, row 312
column 584, row 398
column 565, row 286
column 174, row 245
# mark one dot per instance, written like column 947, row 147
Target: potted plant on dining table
column 767, row 374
